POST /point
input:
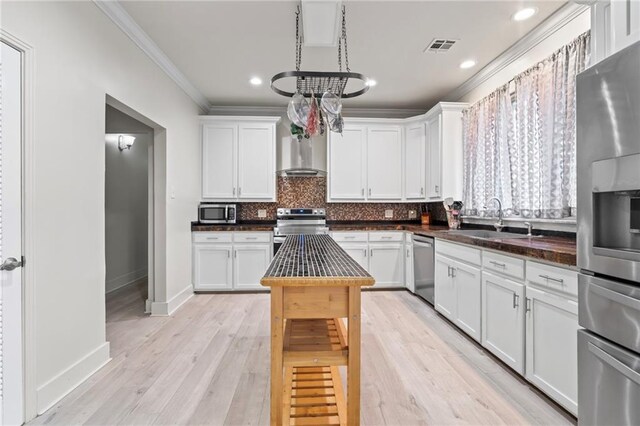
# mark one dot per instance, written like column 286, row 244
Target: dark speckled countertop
column 556, row 249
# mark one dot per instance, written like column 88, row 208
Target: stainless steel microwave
column 217, row 213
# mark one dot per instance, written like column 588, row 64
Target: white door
column 256, row 156
column 503, row 319
column 219, row 161
column 384, row 163
column 359, row 253
column 467, row 285
column 346, row 164
column 250, row 263
column 625, row 16
column 212, row 267
column 386, row 264
column 444, row 291
column 415, row 162
column 434, row 126
column 552, row 346
column 11, row 390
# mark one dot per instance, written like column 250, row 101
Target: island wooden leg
column 353, row 365
column 276, row 355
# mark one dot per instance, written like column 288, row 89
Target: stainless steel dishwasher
column 424, row 267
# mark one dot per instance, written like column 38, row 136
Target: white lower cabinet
column 386, row 264
column 445, row 292
column 220, row 264
column 467, row 285
column 503, row 319
column 552, row 346
column 408, row 262
column 359, row 252
column 212, row 266
column 250, row 263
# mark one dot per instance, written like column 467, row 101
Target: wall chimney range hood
column 298, row 159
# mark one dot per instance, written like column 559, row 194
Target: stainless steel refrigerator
column 608, row 160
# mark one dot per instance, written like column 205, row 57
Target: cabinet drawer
column 506, row 265
column 252, row 237
column 385, row 236
column 350, row 236
column 458, row 251
column 552, row 277
column 212, row 237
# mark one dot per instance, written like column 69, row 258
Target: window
column 520, row 141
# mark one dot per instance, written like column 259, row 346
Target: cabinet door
column 503, row 319
column 359, row 252
column 467, row 283
column 256, row 161
column 219, row 161
column 408, row 265
column 625, row 17
column 250, row 263
column 212, row 268
column 552, row 346
column 445, row 294
column 415, row 162
column 384, row 163
column 386, row 264
column 434, row 132
column 346, row 164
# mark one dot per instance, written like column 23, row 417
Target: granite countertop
column 556, row 249
column 305, row 260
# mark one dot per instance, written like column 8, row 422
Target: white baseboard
column 168, row 308
column 55, row 389
column 124, row 280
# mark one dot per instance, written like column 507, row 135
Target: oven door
column 277, row 243
column 609, row 382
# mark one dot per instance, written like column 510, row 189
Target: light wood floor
column 209, row 364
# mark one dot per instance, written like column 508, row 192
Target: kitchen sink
column 484, row 234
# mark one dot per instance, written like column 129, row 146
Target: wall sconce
column 123, row 141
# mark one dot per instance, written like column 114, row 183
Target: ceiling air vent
column 440, row 45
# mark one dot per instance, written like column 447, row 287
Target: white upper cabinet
column 625, row 19
column 415, row 162
column 238, row 158
column 347, row 172
column 384, row 163
column 256, row 168
column 444, row 151
column 219, row 143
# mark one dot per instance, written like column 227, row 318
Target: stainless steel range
column 608, row 109
column 307, row 221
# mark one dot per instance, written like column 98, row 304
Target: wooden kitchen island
column 314, row 285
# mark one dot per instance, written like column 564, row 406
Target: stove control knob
column 287, row 211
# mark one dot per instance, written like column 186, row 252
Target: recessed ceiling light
column 467, row 64
column 256, row 81
column 371, row 82
column 524, row 14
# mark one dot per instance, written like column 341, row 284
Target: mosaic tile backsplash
column 311, row 192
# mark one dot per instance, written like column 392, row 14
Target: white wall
column 539, row 52
column 126, row 202
column 80, row 56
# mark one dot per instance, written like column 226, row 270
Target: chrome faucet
column 500, row 223
column 529, row 228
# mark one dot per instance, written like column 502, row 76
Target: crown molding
column 553, row 23
column 130, row 27
column 282, row 110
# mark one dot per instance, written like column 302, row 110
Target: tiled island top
column 314, row 260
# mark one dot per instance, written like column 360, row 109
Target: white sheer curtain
column 520, row 144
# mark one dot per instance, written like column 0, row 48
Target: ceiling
column 220, row 45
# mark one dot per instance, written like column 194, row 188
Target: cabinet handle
column 369, row 192
column 349, row 237
column 408, row 253
column 250, row 238
column 239, row 191
column 498, row 264
column 453, row 272
column 516, row 300
column 234, row 191
column 371, row 253
column 212, row 238
column 437, row 189
column 548, row 278
column 448, row 271
column 386, row 238
column 362, row 191
column 421, row 191
column 365, row 252
column 527, row 304
column 228, row 253
column 235, row 253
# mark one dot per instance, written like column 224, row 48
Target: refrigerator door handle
column 613, row 362
column 617, row 297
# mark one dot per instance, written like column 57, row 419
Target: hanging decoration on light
column 317, row 101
